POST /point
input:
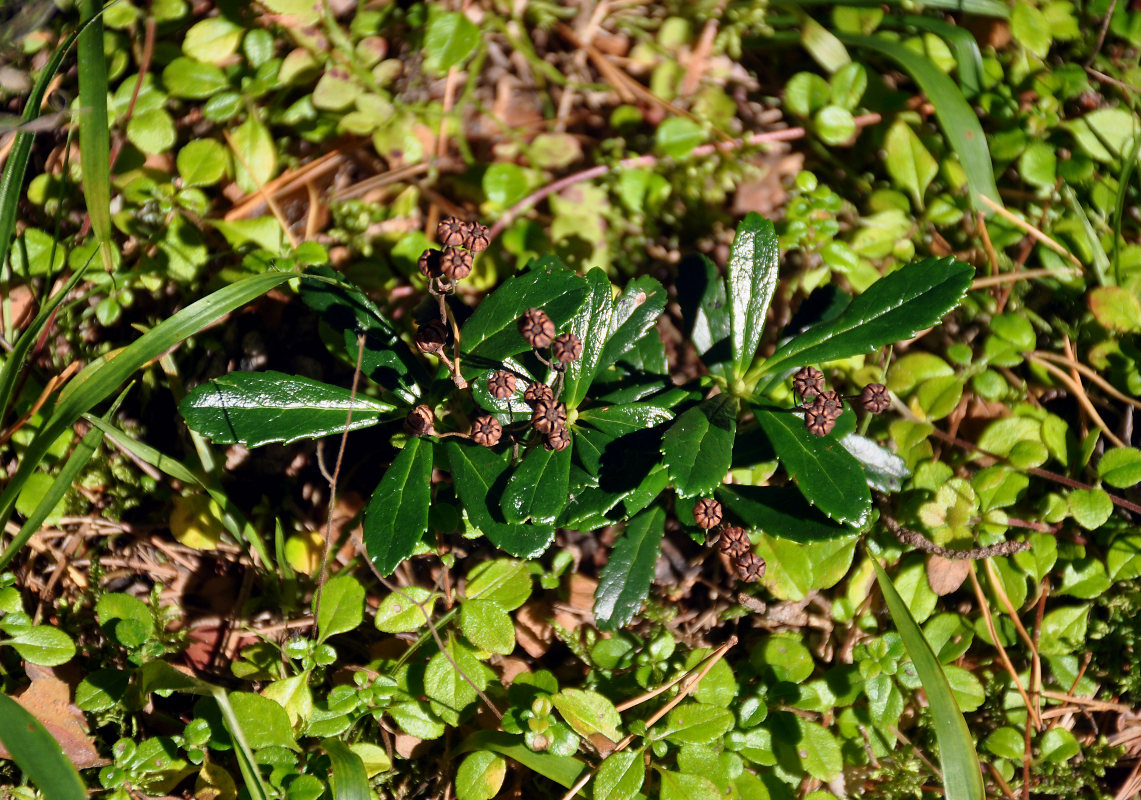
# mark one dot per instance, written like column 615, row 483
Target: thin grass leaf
column 63, row 481
column 968, row 57
column 37, row 754
column 15, row 360
column 12, row 181
column 232, row 518
column 984, row 8
column 956, row 117
column 348, row 778
column 962, row 776
column 98, row 380
column 94, row 136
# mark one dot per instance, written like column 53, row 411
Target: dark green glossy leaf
column 397, row 515
column 479, row 475
column 256, row 408
column 958, row 120
column 592, row 326
column 962, row 778
column 698, row 448
column 895, row 307
column 538, row 488
column 563, row 770
column 636, row 312
column 346, row 309
column 779, row 511
column 591, row 506
column 753, row 263
column 625, row 580
column 705, row 312
column 827, row 475
column 619, row 420
column 491, row 335
column 37, row 754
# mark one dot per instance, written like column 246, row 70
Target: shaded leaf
column 478, row 474
column 698, row 448
column 826, row 474
column 538, row 488
column 625, row 580
column 397, row 515
column 779, row 511
column 895, row 307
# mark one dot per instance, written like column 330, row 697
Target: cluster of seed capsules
column 825, row 408
column 731, row 540
column 461, row 241
column 548, row 415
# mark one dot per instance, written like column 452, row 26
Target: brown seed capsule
column 451, row 231
column 831, row 402
column 548, row 416
column 419, row 420
column 478, row 238
column 558, row 439
column 536, row 392
column 874, row 398
column 566, row 348
column 486, row 430
column 429, row 263
column 501, row 384
column 431, row 336
column 455, row 263
column 750, row 567
column 734, row 542
column 808, row 382
column 537, row 328
column 817, row 420
column 706, row 512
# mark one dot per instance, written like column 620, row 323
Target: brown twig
column 921, row 542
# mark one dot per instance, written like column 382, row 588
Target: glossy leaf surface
column 779, row 511
column 625, row 580
column 752, row 278
column 479, row 475
column 827, row 475
column 592, row 326
column 705, row 312
column 895, row 307
column 397, row 515
column 563, row 770
column 698, row 448
column 256, row 408
column 490, row 335
column 346, row 309
column 537, row 490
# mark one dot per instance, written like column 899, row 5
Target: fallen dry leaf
column 946, row 575
column 48, row 699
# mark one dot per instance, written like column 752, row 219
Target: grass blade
column 63, row 481
column 37, row 754
column 99, row 379
column 232, row 518
column 959, row 122
column 348, row 777
column 94, row 136
column 12, row 181
column 962, row 776
column 967, row 54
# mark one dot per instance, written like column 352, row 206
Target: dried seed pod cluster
column 486, row 430
column 431, row 336
column 536, row 328
column 461, row 241
column 419, row 420
column 501, row 384
column 826, row 406
column 732, row 540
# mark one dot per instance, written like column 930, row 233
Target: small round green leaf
column 677, row 136
column 1090, row 507
column 202, row 162
column 1120, row 467
column 480, row 776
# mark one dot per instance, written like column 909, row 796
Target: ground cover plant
column 773, row 439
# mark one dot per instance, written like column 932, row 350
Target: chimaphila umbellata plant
column 552, row 405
